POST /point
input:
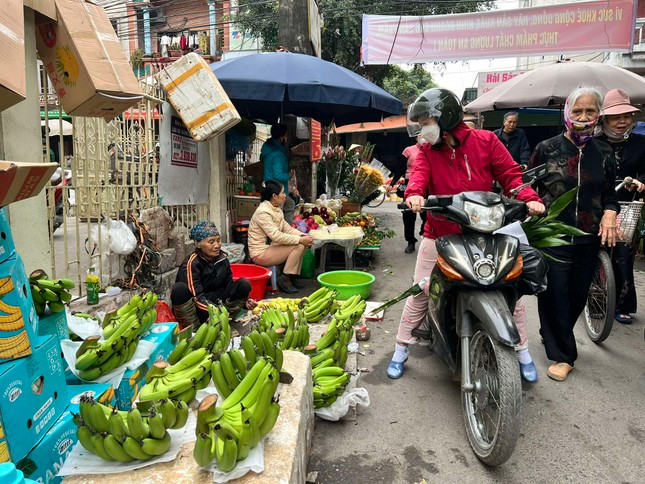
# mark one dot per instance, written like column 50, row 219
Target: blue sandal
column 395, row 369
column 623, row 318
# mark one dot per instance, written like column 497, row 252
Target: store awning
column 54, row 127
column 392, row 123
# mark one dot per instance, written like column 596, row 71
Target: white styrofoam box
column 198, row 97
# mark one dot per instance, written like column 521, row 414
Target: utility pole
column 299, row 31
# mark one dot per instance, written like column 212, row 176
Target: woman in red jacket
column 453, row 159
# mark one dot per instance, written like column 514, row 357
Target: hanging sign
column 598, row 26
column 315, row 139
column 184, row 147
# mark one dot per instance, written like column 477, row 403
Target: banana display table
column 286, row 448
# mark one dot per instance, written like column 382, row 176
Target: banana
column 114, row 449
column 219, row 380
column 84, row 409
column 37, row 297
column 199, row 336
column 321, row 356
column 98, row 420
column 328, row 371
column 271, row 417
column 238, row 361
column 133, row 448
column 259, row 409
column 279, row 358
column 87, row 359
column 186, row 396
column 168, row 412
column 249, row 350
column 251, row 396
column 328, row 338
column 84, row 435
column 211, row 336
column 226, row 453
column 317, row 295
column 234, row 398
column 228, row 370
column 269, row 348
column 117, row 426
column 156, row 446
column 204, row 450
column 66, row 283
column 205, row 380
column 190, row 359
column 288, row 339
column 182, row 415
column 245, row 441
column 99, row 447
column 138, row 428
column 56, row 307
column 155, row 422
column 178, row 352
column 257, row 342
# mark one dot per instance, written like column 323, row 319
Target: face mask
column 613, row 136
column 430, row 134
column 580, row 132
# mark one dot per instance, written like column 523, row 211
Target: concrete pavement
column 590, row 428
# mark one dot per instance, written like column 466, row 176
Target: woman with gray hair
column 575, row 159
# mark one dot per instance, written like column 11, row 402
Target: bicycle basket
column 630, row 214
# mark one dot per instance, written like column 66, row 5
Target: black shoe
column 410, row 248
column 284, row 287
column 296, row 283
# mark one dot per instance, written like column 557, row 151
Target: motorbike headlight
column 483, row 218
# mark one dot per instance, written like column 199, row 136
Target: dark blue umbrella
column 265, row 86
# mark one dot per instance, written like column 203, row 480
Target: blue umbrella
column 266, row 86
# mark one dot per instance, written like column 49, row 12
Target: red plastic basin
column 257, row 276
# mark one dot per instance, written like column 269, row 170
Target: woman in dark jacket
column 575, row 159
column 205, row 277
column 629, row 151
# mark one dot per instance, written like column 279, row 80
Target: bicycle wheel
column 378, row 200
column 601, row 302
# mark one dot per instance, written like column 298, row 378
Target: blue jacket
column 276, row 165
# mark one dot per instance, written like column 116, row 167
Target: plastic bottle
column 10, row 475
column 92, row 286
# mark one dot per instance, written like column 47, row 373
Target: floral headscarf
column 204, row 229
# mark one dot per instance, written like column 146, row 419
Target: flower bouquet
column 334, row 159
column 367, row 180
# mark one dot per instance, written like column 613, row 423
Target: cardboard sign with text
column 13, row 84
column 84, row 61
column 20, row 180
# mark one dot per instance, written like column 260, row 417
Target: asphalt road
column 590, row 428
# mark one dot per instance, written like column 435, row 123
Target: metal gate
column 112, row 170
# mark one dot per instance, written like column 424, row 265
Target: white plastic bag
column 353, row 396
column 122, row 240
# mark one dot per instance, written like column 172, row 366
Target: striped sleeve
column 194, row 282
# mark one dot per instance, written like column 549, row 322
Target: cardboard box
column 6, row 239
column 83, row 58
column 19, row 180
column 34, row 396
column 198, row 97
column 13, row 81
column 48, row 456
column 163, row 335
column 18, row 319
column 53, row 323
column 43, row 7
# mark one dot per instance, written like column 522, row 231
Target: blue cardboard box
column 53, row 323
column 18, row 319
column 48, row 456
column 7, row 246
column 164, row 337
column 34, row 396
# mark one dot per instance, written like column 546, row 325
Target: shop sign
column 184, row 147
column 315, row 139
column 553, row 29
column 488, row 80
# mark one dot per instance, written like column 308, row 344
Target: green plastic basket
column 348, row 283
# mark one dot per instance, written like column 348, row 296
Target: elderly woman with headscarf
column 575, row 159
column 205, row 277
column 629, row 150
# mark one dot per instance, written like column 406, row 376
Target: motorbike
column 469, row 325
column 59, row 180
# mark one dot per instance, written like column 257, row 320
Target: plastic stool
column 274, row 278
column 330, row 246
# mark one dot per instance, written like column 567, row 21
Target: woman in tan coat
column 287, row 244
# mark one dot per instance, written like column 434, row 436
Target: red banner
column 315, row 139
column 557, row 29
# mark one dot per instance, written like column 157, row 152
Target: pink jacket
column 411, row 153
column 479, row 160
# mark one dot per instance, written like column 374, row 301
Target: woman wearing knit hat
column 205, row 277
column 629, row 149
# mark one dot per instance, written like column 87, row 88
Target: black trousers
column 622, row 258
column 565, row 297
column 235, row 291
column 409, row 223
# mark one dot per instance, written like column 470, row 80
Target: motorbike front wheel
column 493, row 409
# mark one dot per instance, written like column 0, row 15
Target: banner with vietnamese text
column 557, row 29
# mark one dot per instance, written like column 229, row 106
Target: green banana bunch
column 257, row 344
column 49, row 292
column 126, row 436
column 122, row 333
column 228, row 432
column 319, row 305
column 180, row 381
column 329, row 383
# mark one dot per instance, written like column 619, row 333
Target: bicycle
column 377, row 201
column 600, row 309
